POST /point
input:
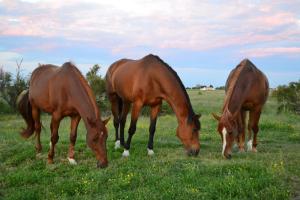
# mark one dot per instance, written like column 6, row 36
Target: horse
column 147, row 82
column 63, row 91
column 247, row 89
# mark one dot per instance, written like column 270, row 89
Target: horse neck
column 236, row 95
column 84, row 103
column 179, row 104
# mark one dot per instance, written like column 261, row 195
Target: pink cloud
column 196, row 25
column 264, row 52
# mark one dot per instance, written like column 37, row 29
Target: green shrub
column 4, row 107
column 288, row 97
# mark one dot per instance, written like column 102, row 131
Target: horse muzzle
column 227, row 156
column 102, row 165
column 193, row 152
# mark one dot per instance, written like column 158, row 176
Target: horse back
column 47, row 87
column 136, row 79
column 248, row 83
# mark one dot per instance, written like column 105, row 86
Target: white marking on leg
column 50, row 144
column 224, row 133
column 117, row 144
column 150, row 152
column 72, row 161
column 249, row 145
column 125, row 153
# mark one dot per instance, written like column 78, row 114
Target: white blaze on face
column 224, row 133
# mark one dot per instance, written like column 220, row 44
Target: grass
column 272, row 173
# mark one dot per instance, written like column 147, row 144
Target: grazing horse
column 147, row 82
column 63, row 91
column 247, row 89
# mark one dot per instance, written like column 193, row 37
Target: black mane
column 191, row 111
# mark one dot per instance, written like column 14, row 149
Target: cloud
column 124, row 25
column 271, row 51
column 8, row 55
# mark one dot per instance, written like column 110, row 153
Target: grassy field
column 272, row 173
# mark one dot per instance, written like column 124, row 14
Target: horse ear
column 106, row 120
column 216, row 116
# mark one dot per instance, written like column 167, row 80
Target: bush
column 97, row 84
column 11, row 87
column 288, row 97
column 4, row 107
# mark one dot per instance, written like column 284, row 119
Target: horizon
column 202, row 41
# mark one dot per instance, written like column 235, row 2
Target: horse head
column 188, row 133
column 227, row 128
column 96, row 139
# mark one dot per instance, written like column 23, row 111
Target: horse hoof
column 125, row 153
column 254, row 150
column 117, row 144
column 72, row 161
column 249, row 145
column 150, row 152
column 241, row 150
column 50, row 161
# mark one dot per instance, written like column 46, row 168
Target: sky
column 202, row 40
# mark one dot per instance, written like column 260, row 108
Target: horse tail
column 24, row 107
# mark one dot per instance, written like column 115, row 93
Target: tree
column 97, row 84
column 288, row 97
column 18, row 84
column 5, row 80
column 220, row 88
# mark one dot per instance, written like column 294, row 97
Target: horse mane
column 84, row 82
column 170, row 69
column 235, row 76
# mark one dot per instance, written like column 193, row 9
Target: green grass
column 272, row 173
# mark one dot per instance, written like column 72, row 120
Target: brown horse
column 247, row 89
column 63, row 91
column 149, row 81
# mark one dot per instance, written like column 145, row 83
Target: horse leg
column 136, row 108
column 254, row 125
column 241, row 136
column 116, row 104
column 54, row 136
column 37, row 127
column 153, row 119
column 74, row 124
column 125, row 110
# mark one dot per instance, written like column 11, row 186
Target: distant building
column 207, row 88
